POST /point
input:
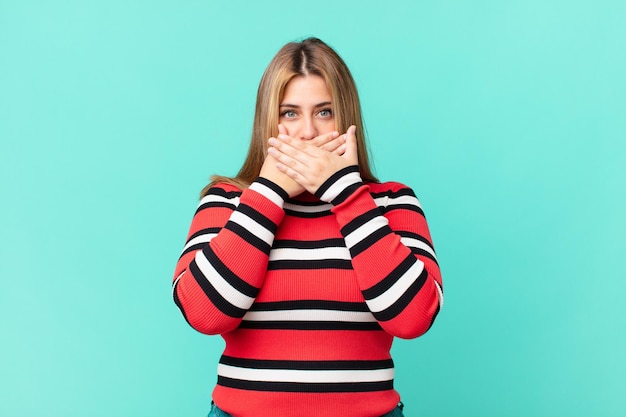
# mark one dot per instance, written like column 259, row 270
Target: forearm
column 391, row 252
column 224, row 263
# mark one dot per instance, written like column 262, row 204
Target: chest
column 309, row 260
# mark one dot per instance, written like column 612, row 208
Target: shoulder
column 226, row 187
column 391, row 193
column 221, row 183
column 221, row 188
column 220, row 195
column 389, row 188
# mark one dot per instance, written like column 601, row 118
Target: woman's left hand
column 309, row 165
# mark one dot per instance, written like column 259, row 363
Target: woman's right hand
column 270, row 172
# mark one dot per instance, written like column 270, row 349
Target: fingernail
column 282, row 137
column 272, row 141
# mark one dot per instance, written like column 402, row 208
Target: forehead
column 305, row 89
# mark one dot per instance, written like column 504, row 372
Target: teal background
column 508, row 118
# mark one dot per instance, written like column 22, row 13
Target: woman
column 304, row 263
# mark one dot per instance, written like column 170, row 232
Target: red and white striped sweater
column 308, row 293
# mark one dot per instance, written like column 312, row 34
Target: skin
column 308, row 149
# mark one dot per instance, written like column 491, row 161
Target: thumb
column 351, row 146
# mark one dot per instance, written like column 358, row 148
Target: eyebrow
column 325, row 103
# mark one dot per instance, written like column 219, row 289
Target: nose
column 308, row 129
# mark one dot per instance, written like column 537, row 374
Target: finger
column 283, row 136
column 340, row 150
column 290, row 172
column 324, row 138
column 288, row 155
column 351, row 145
column 297, row 148
column 334, row 144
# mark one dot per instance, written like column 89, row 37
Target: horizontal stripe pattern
column 231, row 294
column 361, row 233
column 310, row 264
column 301, row 254
column 365, row 239
column 254, row 223
column 309, row 254
column 270, row 190
column 340, row 185
column 419, row 245
column 388, row 291
column 306, row 376
column 216, row 298
column 400, row 199
column 199, row 239
column 301, row 388
column 283, row 250
column 217, row 197
column 362, row 228
column 310, row 315
column 309, row 210
column 440, row 293
column 311, row 325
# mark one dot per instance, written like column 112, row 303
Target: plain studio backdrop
column 508, row 118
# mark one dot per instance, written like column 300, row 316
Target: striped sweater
column 308, row 293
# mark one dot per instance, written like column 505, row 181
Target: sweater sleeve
column 391, row 249
column 224, row 261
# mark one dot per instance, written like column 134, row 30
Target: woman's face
column 306, row 109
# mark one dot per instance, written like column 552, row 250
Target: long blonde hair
column 309, row 57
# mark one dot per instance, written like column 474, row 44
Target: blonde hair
column 309, row 57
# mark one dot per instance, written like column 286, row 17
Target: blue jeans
column 216, row 412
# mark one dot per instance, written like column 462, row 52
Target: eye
column 289, row 114
column 325, row 113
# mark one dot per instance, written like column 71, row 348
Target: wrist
column 340, row 185
column 270, row 189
